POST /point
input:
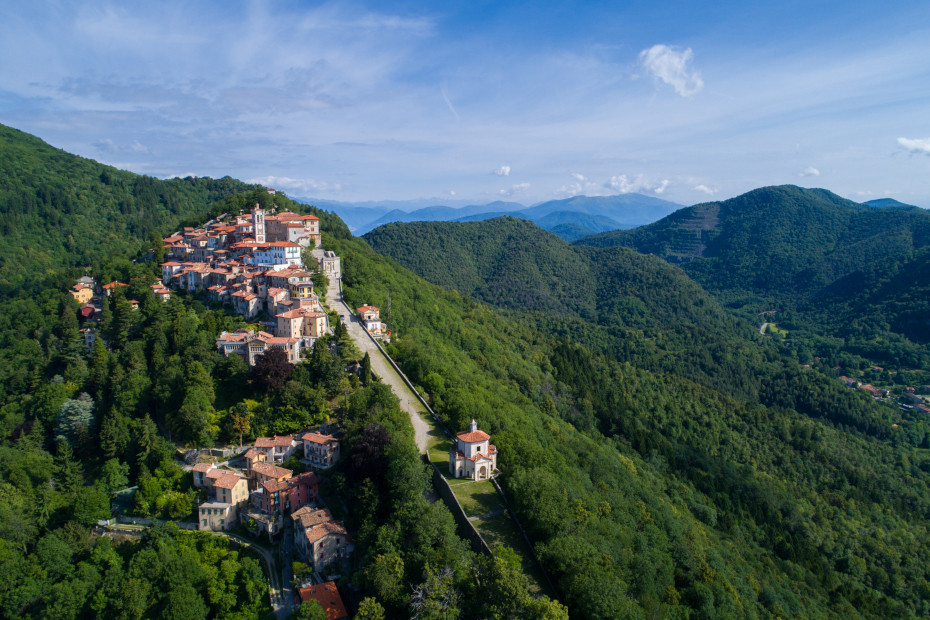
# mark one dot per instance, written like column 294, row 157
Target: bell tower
column 258, row 223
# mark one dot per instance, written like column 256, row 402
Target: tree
column 366, row 370
column 369, row 609
column 308, row 610
column 436, row 598
column 272, row 369
column 76, row 418
column 240, row 415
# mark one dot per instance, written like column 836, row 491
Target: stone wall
column 465, row 528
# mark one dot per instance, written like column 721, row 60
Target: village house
column 83, row 293
column 227, row 492
column 371, row 319
column 249, row 345
column 278, row 448
column 327, row 595
column 274, row 499
column 321, row 451
column 263, row 472
column 302, row 324
column 108, row 289
column 473, row 456
column 320, row 539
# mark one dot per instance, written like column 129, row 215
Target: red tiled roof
column 475, row 437
column 203, row 467
column 319, row 438
column 367, row 308
column 273, row 486
column 308, row 517
column 227, row 481
column 281, row 441
column 329, row 528
column 271, row 471
column 328, row 597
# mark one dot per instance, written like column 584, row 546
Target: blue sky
column 482, row 101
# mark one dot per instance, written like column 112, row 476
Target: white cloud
column 705, row 190
column 503, row 171
column 672, row 66
column 624, row 185
column 297, row 185
column 519, row 187
column 452, row 192
column 579, row 177
column 918, row 146
column 810, row 171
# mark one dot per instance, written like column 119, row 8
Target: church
column 473, row 456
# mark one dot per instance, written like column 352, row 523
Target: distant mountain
column 885, row 202
column 628, row 210
column 803, row 248
column 622, row 211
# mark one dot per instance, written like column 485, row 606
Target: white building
column 473, row 456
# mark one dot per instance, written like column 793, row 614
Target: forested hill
column 782, row 240
column 60, row 210
column 780, row 476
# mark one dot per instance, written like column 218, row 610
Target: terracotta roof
column 301, row 312
column 271, row 471
column 308, row 517
column 251, row 453
column 328, row 597
column 283, row 244
column 319, row 438
column 273, row 486
column 216, row 474
column 204, row 467
column 330, row 528
column 270, row 442
column 367, row 308
column 475, row 437
column 227, row 481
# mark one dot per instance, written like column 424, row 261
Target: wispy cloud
column 503, row 171
column 918, row 146
column 519, row 187
column 810, row 171
column 296, row 185
column 705, row 190
column 673, row 66
column 624, row 185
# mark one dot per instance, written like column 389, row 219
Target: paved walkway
column 381, row 367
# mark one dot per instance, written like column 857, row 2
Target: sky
column 481, row 101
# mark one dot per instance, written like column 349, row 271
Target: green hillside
column 59, row 210
column 665, row 460
column 648, row 494
column 831, row 267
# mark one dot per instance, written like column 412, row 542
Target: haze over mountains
column 570, row 218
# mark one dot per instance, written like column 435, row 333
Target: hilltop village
column 264, row 267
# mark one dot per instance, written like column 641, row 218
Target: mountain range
column 570, row 218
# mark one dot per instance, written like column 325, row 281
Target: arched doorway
column 482, row 473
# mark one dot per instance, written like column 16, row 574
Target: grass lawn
column 478, row 498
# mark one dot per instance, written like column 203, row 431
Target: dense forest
column 779, row 466
column 665, row 459
column 78, row 425
column 843, row 277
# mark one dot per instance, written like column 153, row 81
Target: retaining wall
column 465, row 528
